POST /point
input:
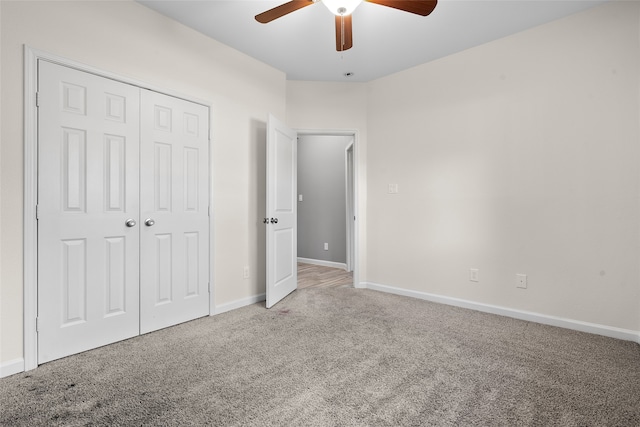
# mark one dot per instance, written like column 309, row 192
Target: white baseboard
column 576, row 325
column 323, row 263
column 11, row 367
column 223, row 308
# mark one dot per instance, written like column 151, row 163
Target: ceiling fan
column 343, row 9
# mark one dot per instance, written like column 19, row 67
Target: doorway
column 326, row 207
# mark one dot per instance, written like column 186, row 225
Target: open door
column 281, row 216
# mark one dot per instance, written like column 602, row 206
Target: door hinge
column 37, row 212
column 209, row 286
column 37, row 324
column 37, row 99
column 208, row 211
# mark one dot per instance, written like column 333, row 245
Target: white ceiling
column 385, row 40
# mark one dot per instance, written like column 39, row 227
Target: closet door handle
column 130, row 222
column 149, row 222
column 274, row 220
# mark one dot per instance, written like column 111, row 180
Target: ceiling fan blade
column 419, row 7
column 283, row 9
column 344, row 37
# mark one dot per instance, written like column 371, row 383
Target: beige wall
column 518, row 156
column 128, row 39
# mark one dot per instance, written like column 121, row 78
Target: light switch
column 299, row 197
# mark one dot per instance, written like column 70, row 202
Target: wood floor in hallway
column 310, row 275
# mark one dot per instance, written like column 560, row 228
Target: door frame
column 350, row 202
column 356, row 189
column 30, row 188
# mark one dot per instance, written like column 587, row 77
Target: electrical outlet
column 521, row 281
column 299, row 197
column 326, row 246
column 474, row 275
column 245, row 272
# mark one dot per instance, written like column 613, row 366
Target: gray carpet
column 339, row 357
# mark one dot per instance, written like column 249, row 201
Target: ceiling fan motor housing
column 341, row 7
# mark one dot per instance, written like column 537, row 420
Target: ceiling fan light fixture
column 341, row 7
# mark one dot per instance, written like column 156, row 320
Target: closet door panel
column 88, row 258
column 174, row 179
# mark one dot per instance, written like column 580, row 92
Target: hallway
column 317, row 276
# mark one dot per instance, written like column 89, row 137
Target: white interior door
column 87, row 191
column 174, row 205
column 281, row 217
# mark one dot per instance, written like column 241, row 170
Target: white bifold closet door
column 123, row 230
column 174, row 176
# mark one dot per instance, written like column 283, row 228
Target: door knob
column 130, row 222
column 149, row 222
column 265, row 221
column 274, row 220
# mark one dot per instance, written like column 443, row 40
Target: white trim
column 223, row 308
column 576, row 325
column 360, row 285
column 323, row 263
column 30, row 225
column 11, row 367
column 30, row 270
column 212, row 245
column 349, row 161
